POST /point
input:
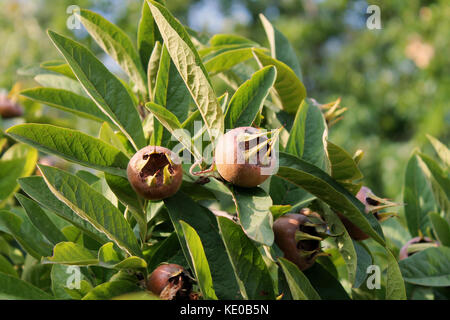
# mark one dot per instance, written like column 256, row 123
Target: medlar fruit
column 170, row 282
column 298, row 235
column 244, row 156
column 155, row 172
column 8, row 108
column 372, row 205
column 406, row 251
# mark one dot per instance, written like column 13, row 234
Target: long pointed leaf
column 72, row 145
column 103, row 87
column 190, row 67
column 117, row 44
column 92, row 206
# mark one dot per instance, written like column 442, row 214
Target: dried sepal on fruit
column 171, row 282
column 245, row 156
column 155, row 172
column 373, row 204
column 299, row 236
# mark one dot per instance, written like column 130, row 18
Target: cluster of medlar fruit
column 241, row 155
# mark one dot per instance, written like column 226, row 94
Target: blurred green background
column 394, row 81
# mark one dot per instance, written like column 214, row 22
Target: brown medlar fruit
column 244, row 157
column 299, row 235
column 155, row 173
column 170, row 282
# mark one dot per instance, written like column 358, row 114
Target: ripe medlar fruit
column 298, row 235
column 244, row 156
column 155, row 172
column 8, row 108
column 372, row 205
column 170, row 282
column 406, row 251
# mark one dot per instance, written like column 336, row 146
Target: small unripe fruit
column 170, row 282
column 404, row 250
column 8, row 108
column 243, row 157
column 155, row 173
column 296, row 236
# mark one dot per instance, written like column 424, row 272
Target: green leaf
column 395, row 286
column 325, row 284
column 61, row 276
column 61, row 82
column 109, row 258
column 67, row 101
column 91, row 206
column 190, row 67
column 289, row 89
column 321, row 185
column 182, row 207
column 72, row 145
column 36, row 188
column 198, row 257
column 25, row 234
column 441, row 228
column 343, row 242
column 173, row 125
column 18, row 161
column 103, row 87
column 280, row 47
column 307, row 139
column 12, row 288
column 249, row 267
column 364, row 260
column 248, row 100
column 147, row 34
column 440, row 182
column 117, row 44
column 417, row 196
column 70, row 253
column 58, row 66
column 299, row 285
column 171, row 92
column 229, row 39
column 7, row 268
column 253, row 208
column 108, row 135
column 112, row 289
column 79, row 293
column 430, row 267
column 125, row 193
column 40, row 220
column 225, row 59
column 343, row 167
column 153, row 66
column 442, row 151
